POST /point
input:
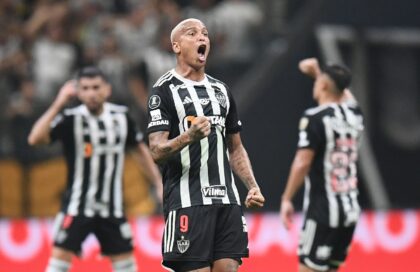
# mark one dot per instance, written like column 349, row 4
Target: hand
column 309, row 67
column 254, row 198
column 66, row 93
column 200, row 128
column 286, row 213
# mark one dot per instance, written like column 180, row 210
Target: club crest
column 221, row 98
column 183, row 244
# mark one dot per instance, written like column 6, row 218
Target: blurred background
column 256, row 46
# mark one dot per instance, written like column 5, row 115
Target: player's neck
column 96, row 112
column 190, row 73
column 328, row 99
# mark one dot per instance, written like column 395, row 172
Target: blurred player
column 194, row 134
column 326, row 159
column 94, row 137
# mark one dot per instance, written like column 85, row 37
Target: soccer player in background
column 95, row 136
column 194, row 135
column 329, row 136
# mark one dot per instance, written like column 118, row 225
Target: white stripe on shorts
column 169, row 234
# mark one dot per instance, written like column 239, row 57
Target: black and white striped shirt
column 200, row 173
column 94, row 148
column 333, row 131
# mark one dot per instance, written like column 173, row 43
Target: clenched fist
column 254, row 199
column 200, row 128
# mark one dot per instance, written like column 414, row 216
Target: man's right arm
column 162, row 148
column 40, row 133
column 310, row 67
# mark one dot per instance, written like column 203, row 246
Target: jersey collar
column 189, row 81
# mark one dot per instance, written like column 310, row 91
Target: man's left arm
column 241, row 166
column 299, row 169
column 151, row 170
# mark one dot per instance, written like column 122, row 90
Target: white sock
column 126, row 265
column 57, row 265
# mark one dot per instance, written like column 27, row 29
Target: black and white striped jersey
column 94, row 148
column 200, row 173
column 333, row 131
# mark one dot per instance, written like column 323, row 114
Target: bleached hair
column 180, row 25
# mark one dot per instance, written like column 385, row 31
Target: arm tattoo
column 162, row 148
column 240, row 163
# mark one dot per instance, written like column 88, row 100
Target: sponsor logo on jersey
column 214, row 121
column 217, row 120
column 203, row 101
column 156, row 115
column 88, row 150
column 343, row 127
column 188, row 121
column 154, row 102
column 158, row 123
column 187, row 100
column 221, row 98
column 183, row 245
column 215, row 191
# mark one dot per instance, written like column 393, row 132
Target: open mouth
column 202, row 52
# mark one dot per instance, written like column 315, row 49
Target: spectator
column 157, row 60
column 237, row 22
column 233, row 24
column 23, row 110
column 137, row 31
column 115, row 66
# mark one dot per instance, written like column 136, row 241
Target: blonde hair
column 180, row 25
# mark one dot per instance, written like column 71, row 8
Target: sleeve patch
column 303, row 139
column 154, row 101
column 303, row 123
column 156, row 115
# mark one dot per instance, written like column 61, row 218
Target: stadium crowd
column 43, row 42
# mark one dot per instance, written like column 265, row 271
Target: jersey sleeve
column 134, row 135
column 233, row 123
column 61, row 127
column 158, row 108
column 310, row 132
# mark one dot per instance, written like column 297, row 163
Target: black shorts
column 114, row 234
column 321, row 247
column 200, row 235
